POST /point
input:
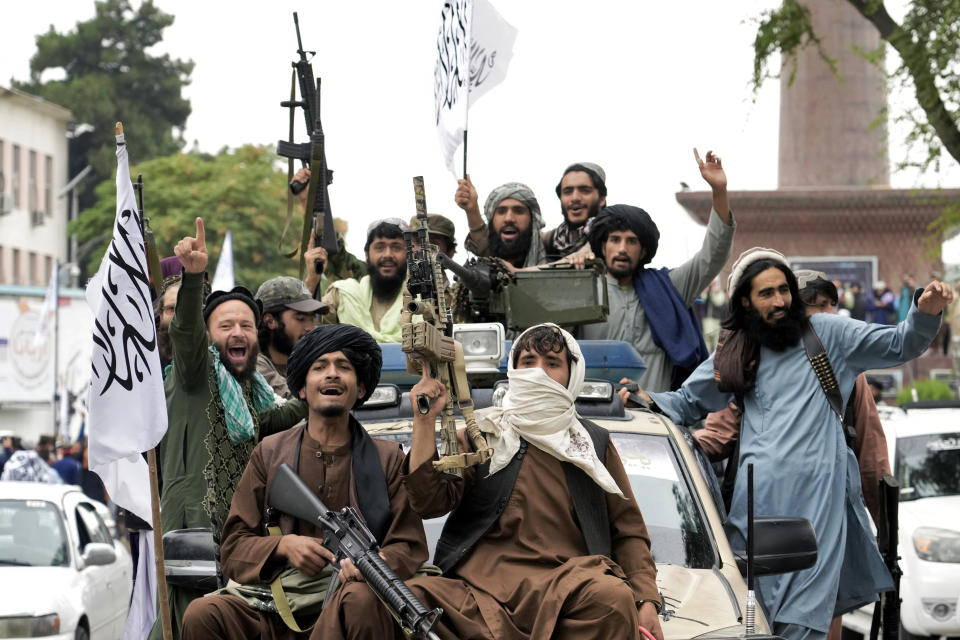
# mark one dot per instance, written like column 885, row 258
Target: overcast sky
column 632, row 86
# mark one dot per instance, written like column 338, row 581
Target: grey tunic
column 627, row 320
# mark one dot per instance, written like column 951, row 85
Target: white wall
column 32, row 125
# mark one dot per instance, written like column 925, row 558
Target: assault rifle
column 886, row 613
column 428, row 342
column 348, row 537
column 318, row 218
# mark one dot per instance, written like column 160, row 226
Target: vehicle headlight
column 30, row 626
column 937, row 545
column 939, row 609
column 385, row 395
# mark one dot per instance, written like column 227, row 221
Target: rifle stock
column 886, row 613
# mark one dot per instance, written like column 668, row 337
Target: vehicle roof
column 14, row 490
column 918, row 421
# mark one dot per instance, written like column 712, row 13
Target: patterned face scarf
column 542, row 412
column 239, row 421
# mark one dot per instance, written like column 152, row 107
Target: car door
column 95, row 580
column 115, row 576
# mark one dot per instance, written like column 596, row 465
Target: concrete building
column 834, row 208
column 33, row 168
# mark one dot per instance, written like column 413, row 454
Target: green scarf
column 235, row 409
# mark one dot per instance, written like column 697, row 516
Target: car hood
column 38, row 590
column 696, row 601
column 940, row 513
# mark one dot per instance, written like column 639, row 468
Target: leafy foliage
column 928, row 389
column 241, row 191
column 104, row 74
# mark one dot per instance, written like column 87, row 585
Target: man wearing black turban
column 650, row 308
column 333, row 368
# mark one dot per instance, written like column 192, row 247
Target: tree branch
column 916, row 59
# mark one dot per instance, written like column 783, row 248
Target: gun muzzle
column 476, row 278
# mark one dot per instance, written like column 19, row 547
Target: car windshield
column 926, row 465
column 671, row 512
column 31, row 534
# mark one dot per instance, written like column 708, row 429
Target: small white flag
column 126, row 403
column 223, row 276
column 49, row 310
column 474, row 47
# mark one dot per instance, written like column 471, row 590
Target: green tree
column 241, row 191
column 103, row 73
column 928, row 43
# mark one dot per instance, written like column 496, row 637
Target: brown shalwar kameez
column 529, row 575
column 250, row 557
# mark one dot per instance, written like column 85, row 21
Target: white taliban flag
column 223, row 276
column 474, row 48
column 126, row 403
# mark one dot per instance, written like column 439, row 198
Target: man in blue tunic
column 793, row 437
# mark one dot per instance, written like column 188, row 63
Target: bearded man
column 218, row 406
column 582, row 191
column 650, row 308
column 289, row 312
column 545, row 539
column 334, row 368
column 793, row 436
column 374, row 302
column 513, row 226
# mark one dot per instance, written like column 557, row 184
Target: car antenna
column 750, row 607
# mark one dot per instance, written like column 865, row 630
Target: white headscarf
column 541, row 411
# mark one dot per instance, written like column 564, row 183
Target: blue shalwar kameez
column 802, row 465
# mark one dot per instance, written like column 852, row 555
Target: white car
column 61, row 573
column 924, row 447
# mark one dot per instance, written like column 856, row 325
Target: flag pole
column 163, row 603
column 56, row 348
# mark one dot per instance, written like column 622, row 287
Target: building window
column 3, row 267
column 32, row 192
column 32, row 267
column 47, row 268
column 16, row 267
column 48, row 185
column 15, row 175
column 3, row 174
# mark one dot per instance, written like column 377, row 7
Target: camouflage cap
column 287, row 292
column 437, row 224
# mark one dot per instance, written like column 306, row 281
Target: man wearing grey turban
column 513, row 226
column 333, row 368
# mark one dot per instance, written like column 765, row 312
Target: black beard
column 279, row 339
column 513, row 248
column 164, row 345
column 780, row 336
column 332, row 412
column 386, row 287
column 592, row 212
column 249, row 365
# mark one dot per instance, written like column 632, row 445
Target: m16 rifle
column 886, row 612
column 348, row 537
column 428, row 342
column 318, row 217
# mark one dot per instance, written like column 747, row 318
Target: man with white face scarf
column 545, row 540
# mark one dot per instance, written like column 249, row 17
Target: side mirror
column 780, row 545
column 98, row 553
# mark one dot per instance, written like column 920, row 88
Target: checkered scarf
column 235, row 410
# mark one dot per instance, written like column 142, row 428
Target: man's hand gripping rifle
column 318, row 218
column 428, row 342
column 347, row 536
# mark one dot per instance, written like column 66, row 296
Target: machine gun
column 886, row 613
column 558, row 293
column 348, row 537
column 318, row 218
column 428, row 342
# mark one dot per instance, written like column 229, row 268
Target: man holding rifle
column 334, row 368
